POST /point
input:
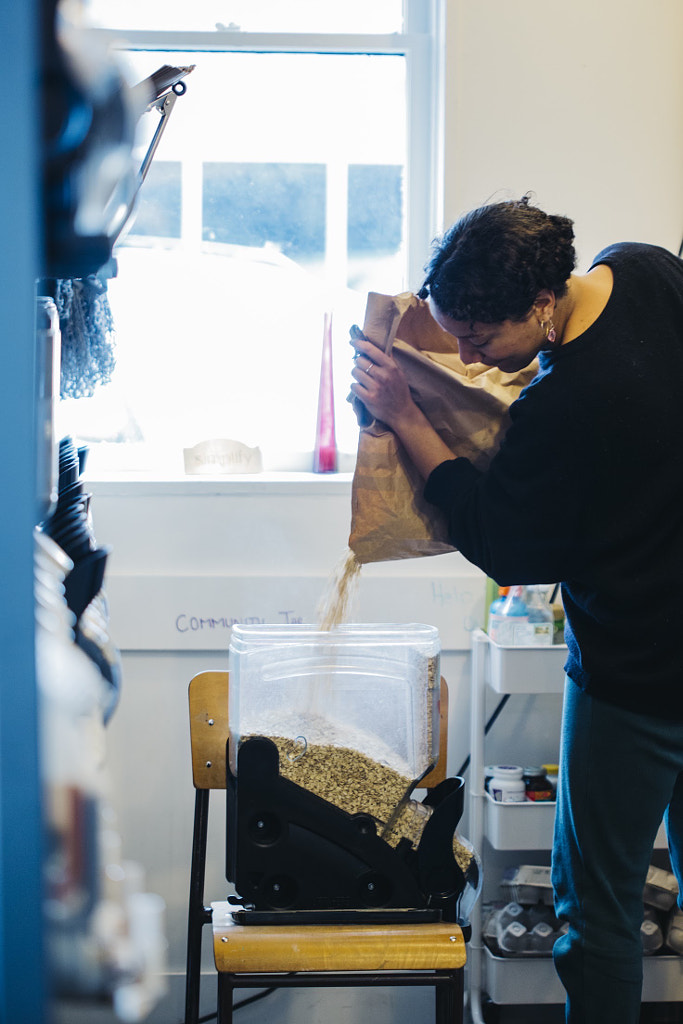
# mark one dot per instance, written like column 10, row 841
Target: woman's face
column 510, row 345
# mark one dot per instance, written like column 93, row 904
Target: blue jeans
column 620, row 774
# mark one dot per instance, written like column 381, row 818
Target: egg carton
column 661, row 888
column 528, row 884
column 515, row 930
column 674, row 931
column 662, row 931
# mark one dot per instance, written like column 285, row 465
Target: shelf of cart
column 662, row 979
column 537, row 669
column 513, row 979
column 519, row 980
column 519, row 826
column 528, row 825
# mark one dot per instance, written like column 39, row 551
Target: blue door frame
column 23, row 983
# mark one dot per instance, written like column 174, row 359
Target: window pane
column 158, row 211
column 375, row 227
column 261, row 204
column 275, row 196
column 249, row 15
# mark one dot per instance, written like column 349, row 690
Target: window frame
column 422, row 45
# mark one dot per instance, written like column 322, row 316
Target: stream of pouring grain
column 334, row 610
column 398, row 816
column 339, row 596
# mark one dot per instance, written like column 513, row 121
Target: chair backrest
column 208, row 697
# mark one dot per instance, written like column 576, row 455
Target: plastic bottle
column 541, row 617
column 495, row 606
column 505, row 623
column 498, row 603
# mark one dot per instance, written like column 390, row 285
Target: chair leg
column 449, row 998
column 225, row 997
column 449, row 994
column 196, row 913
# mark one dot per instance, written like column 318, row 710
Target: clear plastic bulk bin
column 352, row 710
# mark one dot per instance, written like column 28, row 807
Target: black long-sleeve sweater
column 587, row 488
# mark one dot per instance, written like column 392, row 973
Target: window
column 294, row 176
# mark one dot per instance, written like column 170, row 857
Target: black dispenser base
column 398, row 915
column 292, row 855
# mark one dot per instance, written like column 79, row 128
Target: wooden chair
column 313, row 955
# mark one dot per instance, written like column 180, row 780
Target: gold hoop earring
column 548, row 328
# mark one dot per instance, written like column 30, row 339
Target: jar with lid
column 507, row 784
column 488, row 775
column 537, row 785
column 551, row 771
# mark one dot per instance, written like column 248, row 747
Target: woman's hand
column 379, row 383
column 382, row 387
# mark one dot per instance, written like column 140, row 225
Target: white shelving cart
column 525, row 826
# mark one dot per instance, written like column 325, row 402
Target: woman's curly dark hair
column 492, row 263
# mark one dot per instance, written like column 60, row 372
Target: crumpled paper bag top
column 466, row 405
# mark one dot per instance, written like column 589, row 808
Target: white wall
column 581, row 103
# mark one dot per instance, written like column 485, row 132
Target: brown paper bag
column 466, row 405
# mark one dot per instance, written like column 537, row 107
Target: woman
column 587, row 489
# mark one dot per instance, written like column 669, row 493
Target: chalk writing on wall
column 187, row 612
column 185, row 623
column 462, row 603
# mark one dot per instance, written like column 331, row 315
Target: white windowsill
column 145, row 484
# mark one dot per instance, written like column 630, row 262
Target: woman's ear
column 544, row 304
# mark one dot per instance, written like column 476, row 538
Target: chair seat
column 335, row 947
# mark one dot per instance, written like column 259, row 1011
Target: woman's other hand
column 379, row 383
column 382, row 387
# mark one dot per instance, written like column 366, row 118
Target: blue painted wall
column 22, row 970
